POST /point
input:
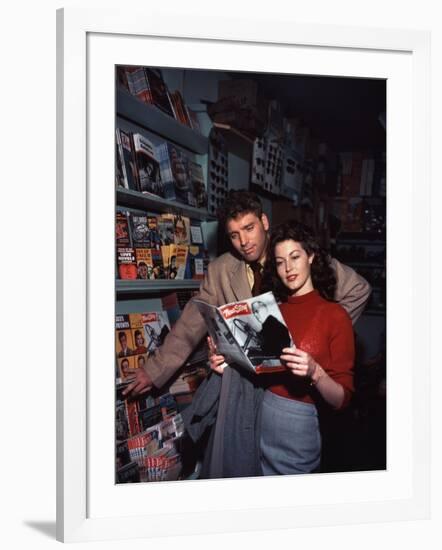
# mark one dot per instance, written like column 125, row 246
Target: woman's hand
column 217, row 362
column 299, row 362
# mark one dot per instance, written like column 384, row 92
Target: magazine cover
column 148, row 168
column 166, row 229
column 139, row 228
column 251, row 333
column 120, row 175
column 154, row 236
column 125, row 150
column 158, row 90
column 127, row 265
column 122, row 231
column 123, row 336
column 182, row 252
column 175, row 172
column 126, row 366
column 158, row 266
column 199, row 199
column 195, row 268
column 144, row 263
column 138, row 84
column 156, row 327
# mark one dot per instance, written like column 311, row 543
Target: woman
column 319, row 368
column 139, row 341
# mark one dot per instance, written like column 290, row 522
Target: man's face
column 123, row 341
column 248, row 235
column 125, row 367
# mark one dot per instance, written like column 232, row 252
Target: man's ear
column 265, row 221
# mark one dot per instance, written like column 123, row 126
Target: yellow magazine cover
column 165, row 254
column 144, row 263
column 182, row 251
column 135, row 321
column 126, row 366
column 123, row 341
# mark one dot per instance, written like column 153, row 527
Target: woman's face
column 293, row 266
column 139, row 340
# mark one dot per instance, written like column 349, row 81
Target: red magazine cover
column 127, row 266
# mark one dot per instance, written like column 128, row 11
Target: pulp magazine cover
column 251, row 333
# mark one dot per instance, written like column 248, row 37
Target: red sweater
column 324, row 330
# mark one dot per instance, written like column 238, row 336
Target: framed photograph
column 90, row 504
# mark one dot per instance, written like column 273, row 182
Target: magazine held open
column 250, row 333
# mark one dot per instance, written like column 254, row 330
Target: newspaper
column 250, row 333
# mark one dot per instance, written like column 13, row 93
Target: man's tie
column 257, row 277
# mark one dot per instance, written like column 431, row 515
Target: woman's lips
column 291, row 278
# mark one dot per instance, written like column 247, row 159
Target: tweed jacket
column 226, row 281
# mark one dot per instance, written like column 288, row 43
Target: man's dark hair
column 238, row 203
column 121, row 334
column 124, row 361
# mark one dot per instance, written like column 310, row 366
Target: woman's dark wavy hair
column 323, row 276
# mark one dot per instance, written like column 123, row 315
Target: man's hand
column 141, row 383
column 217, row 362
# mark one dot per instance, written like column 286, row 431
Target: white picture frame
column 89, row 42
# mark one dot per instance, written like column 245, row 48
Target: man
column 125, row 349
column 232, row 277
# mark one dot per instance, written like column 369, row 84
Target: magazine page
column 156, row 326
column 220, row 333
column 259, row 328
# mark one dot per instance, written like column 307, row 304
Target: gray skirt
column 290, row 437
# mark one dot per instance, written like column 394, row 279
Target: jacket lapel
column 240, row 284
